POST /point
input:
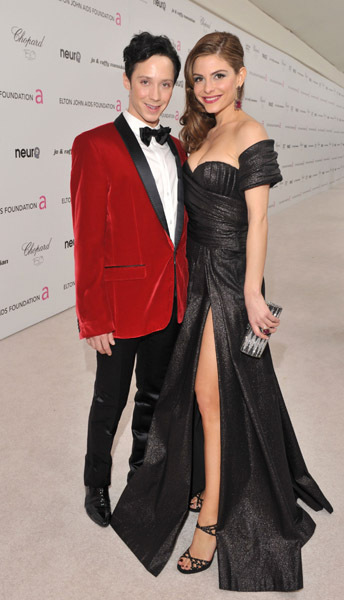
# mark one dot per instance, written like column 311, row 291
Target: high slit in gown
column 261, row 527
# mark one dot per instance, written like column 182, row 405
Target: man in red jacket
column 130, row 263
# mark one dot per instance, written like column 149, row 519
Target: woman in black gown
column 254, row 469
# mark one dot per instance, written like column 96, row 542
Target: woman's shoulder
column 249, row 132
column 257, row 158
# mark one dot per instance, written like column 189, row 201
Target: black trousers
column 111, row 389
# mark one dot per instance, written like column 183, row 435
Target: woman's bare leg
column 208, row 399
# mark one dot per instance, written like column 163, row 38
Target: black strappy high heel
column 199, row 502
column 198, row 564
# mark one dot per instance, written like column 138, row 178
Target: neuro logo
column 27, row 152
column 71, row 55
column 160, row 4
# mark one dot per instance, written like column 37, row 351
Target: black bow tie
column 161, row 135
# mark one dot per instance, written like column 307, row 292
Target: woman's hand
column 259, row 316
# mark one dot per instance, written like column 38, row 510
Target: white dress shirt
column 164, row 170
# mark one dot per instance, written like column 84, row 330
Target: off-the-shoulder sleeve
column 258, row 166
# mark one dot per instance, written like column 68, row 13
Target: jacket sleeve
column 89, row 192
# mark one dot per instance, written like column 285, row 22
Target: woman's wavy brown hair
column 195, row 120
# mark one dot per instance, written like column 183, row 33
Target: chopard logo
column 31, row 249
column 19, row 35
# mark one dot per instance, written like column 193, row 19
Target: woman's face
column 215, row 82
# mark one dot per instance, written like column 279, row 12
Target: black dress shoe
column 97, row 504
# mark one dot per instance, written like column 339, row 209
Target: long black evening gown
column 261, row 528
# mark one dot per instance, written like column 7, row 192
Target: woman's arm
column 257, row 200
column 258, row 313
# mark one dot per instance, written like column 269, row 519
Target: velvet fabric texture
column 261, row 527
column 125, row 261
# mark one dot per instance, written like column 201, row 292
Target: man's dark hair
column 144, row 45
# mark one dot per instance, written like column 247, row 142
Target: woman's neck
column 227, row 115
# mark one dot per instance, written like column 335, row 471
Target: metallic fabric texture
column 261, row 527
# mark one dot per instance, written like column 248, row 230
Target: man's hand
column 101, row 343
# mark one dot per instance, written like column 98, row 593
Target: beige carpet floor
column 50, row 550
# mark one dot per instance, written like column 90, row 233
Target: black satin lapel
column 142, row 167
column 180, row 208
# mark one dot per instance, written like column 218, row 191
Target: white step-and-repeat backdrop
column 61, row 74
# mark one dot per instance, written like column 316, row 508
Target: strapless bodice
column 216, row 176
column 215, row 195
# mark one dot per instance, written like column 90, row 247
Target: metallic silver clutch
column 254, row 345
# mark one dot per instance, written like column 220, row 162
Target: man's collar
column 135, row 124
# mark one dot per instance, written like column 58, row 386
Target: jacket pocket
column 124, row 272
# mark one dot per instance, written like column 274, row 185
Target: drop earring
column 237, row 101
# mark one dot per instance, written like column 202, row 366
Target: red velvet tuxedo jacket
column 125, row 261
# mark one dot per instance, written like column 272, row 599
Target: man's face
column 150, row 88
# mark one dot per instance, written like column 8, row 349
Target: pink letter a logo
column 43, row 202
column 39, row 96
